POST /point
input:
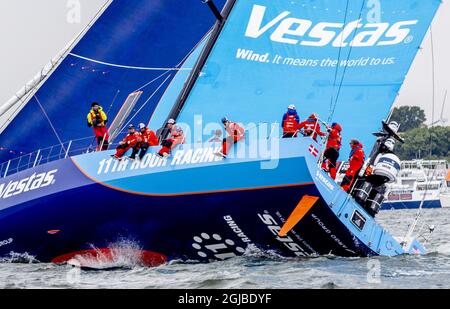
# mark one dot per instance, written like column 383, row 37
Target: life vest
column 334, row 140
column 357, row 158
column 235, row 130
column 176, row 132
column 150, row 137
column 310, row 126
column 290, row 123
column 132, row 139
column 100, row 116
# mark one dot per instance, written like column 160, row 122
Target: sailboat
column 345, row 60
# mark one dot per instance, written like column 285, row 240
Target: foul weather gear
column 236, row 133
column 357, row 158
column 97, row 119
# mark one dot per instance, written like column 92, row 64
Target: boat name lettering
column 324, row 180
column 180, row 157
column 328, row 231
column 297, row 31
column 34, row 182
column 6, row 242
column 287, row 241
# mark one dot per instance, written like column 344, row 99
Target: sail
column 345, row 60
column 172, row 92
column 133, row 46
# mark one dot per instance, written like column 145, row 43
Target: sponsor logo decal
column 387, row 162
column 327, row 183
column 288, row 29
column 6, row 242
column 288, row 242
column 236, row 229
column 34, row 182
column 216, row 247
column 180, row 157
column 329, row 232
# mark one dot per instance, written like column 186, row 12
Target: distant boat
column 66, row 201
column 419, row 181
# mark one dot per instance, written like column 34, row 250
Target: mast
column 215, row 33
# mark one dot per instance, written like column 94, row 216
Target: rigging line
column 419, row 211
column 433, row 78
column 145, row 103
column 50, row 122
column 337, row 66
column 127, row 66
column 195, row 47
column 433, row 75
column 345, row 67
column 152, row 81
column 178, row 65
column 24, row 100
column 113, row 101
column 443, row 107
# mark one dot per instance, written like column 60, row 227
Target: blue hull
column 412, row 205
column 244, row 208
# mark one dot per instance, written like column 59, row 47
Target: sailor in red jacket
column 311, row 127
column 331, row 153
column 357, row 159
column 290, row 122
column 130, row 141
column 175, row 138
column 148, row 138
column 236, row 133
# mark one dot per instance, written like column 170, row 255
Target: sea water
column 266, row 271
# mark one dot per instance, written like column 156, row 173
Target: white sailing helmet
column 142, row 126
column 171, row 121
column 292, row 107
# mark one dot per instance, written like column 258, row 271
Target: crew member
column 176, row 137
column 98, row 119
column 217, row 138
column 130, row 141
column 311, row 127
column 357, row 158
column 290, row 122
column 331, row 153
column 235, row 134
column 147, row 139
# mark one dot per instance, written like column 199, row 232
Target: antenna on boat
column 442, row 120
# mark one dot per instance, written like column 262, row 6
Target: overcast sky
column 34, row 31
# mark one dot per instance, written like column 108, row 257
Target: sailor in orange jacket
column 98, row 119
column 236, row 133
column 176, row 137
column 333, row 147
column 290, row 122
column 357, row 158
column 130, row 141
column 148, row 138
column 311, row 127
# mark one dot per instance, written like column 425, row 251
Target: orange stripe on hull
column 305, row 205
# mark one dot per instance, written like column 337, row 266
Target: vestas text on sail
column 290, row 30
